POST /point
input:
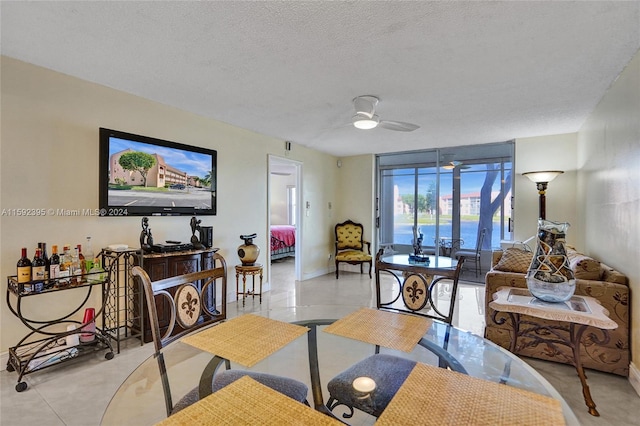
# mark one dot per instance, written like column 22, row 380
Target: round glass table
column 140, row 399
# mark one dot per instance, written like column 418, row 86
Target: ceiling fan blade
column 399, row 126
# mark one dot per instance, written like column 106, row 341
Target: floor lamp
column 541, row 179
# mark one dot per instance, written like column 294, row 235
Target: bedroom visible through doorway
column 284, row 215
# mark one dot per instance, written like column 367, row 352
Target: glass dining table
column 140, row 399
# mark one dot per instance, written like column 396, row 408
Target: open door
column 284, row 197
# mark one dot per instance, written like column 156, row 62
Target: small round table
column 252, row 270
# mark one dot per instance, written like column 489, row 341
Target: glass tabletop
column 140, row 399
column 403, row 260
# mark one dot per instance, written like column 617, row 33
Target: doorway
column 284, row 216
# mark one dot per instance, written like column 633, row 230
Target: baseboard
column 634, row 378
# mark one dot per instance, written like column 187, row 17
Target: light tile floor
column 78, row 393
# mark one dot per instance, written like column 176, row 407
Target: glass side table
column 573, row 318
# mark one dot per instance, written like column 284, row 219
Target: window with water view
column 449, row 195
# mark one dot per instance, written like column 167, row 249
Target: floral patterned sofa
column 594, row 279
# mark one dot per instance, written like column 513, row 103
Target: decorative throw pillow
column 584, row 267
column 514, row 260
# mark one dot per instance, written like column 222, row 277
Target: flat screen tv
column 145, row 176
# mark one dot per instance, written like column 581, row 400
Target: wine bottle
column 45, row 257
column 88, row 255
column 24, row 270
column 54, row 263
column 38, row 269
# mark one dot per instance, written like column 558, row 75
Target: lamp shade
column 546, row 176
column 364, row 122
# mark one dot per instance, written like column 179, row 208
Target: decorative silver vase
column 550, row 277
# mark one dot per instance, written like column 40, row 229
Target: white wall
column 49, row 158
column 609, row 188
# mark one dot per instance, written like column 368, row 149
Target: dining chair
column 189, row 312
column 473, row 254
column 387, row 371
column 350, row 246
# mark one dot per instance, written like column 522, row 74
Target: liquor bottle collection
column 61, row 270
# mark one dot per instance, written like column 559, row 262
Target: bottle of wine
column 24, row 270
column 43, row 252
column 88, row 255
column 38, row 270
column 54, row 263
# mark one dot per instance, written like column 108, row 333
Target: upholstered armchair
column 350, row 246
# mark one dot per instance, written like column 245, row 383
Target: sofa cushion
column 584, row 267
column 514, row 260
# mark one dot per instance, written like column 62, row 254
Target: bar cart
column 45, row 345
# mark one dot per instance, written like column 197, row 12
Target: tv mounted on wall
column 145, row 176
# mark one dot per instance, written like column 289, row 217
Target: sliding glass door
column 449, row 195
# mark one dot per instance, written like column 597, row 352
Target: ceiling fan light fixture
column 361, row 121
column 450, row 165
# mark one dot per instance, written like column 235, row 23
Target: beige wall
column 356, row 198
column 556, row 152
column 609, row 188
column 279, row 198
column 49, row 158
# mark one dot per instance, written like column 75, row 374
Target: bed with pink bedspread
column 283, row 241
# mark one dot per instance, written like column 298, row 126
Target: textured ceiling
column 466, row 72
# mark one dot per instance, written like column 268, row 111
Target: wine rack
column 121, row 318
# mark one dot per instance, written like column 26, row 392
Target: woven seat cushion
column 387, row 371
column 289, row 387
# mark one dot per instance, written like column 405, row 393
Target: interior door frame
column 274, row 160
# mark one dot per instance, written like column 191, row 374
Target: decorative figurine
column 195, row 226
column 248, row 252
column 146, row 239
column 417, row 256
column 417, row 242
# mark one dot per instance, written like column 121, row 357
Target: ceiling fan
column 450, row 163
column 366, row 117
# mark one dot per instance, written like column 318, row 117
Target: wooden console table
column 573, row 317
column 172, row 264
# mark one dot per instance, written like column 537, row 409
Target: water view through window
column 449, row 195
